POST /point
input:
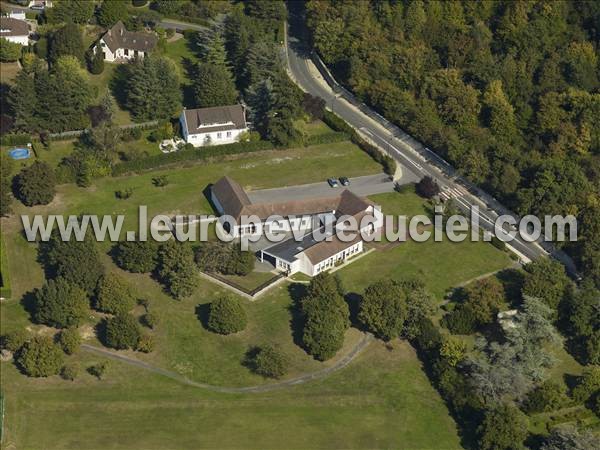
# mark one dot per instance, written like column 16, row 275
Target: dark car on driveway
column 332, row 182
column 344, row 181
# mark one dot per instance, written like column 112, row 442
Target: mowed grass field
column 383, row 399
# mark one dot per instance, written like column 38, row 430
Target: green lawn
column 441, row 265
column 383, row 399
column 184, row 194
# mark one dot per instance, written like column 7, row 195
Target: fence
column 249, row 292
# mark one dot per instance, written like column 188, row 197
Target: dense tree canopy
column 153, row 88
column 507, row 91
column 114, row 295
column 78, row 11
column 383, row 309
column 67, row 41
column 40, row 357
column 60, row 304
column 122, row 332
column 227, row 315
column 36, row 184
column 78, row 262
column 176, row 268
column 326, row 317
column 111, row 11
column 136, row 256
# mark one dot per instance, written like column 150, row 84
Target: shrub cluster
column 227, row 315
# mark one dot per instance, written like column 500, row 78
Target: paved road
column 363, row 186
column 343, row 362
column 402, row 147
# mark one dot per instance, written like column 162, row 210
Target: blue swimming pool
column 19, row 153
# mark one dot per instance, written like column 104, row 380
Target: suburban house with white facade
column 14, row 30
column 213, row 126
column 120, row 45
column 319, row 248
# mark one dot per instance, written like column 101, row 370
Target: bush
column 69, row 340
column 122, row 332
column 503, row 427
column 150, row 320
column 69, row 371
column 460, row 321
column 227, row 315
column 588, row 384
column 60, row 304
column 14, row 340
column 268, row 361
column 98, row 370
column 145, row 344
column 131, row 134
column 114, row 296
column 326, row 138
column 136, row 256
column 549, row 396
column 161, row 181
column 124, row 194
column 40, row 357
column 35, row 184
column 383, row 309
column 95, row 61
column 176, row 268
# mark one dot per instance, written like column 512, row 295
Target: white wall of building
column 120, row 53
column 22, row 40
column 213, row 138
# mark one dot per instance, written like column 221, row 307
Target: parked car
column 344, row 181
column 332, row 182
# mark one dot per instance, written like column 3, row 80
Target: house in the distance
column 213, row 126
column 120, row 45
column 14, row 30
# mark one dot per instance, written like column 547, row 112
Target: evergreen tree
column 122, row 332
column 213, row 86
column 114, row 296
column 6, row 167
column 153, row 88
column 111, row 11
column 23, row 102
column 9, row 51
column 40, row 357
column 36, row 184
column 77, row 11
column 67, row 41
column 227, row 315
column 176, row 268
column 60, row 304
column 383, row 309
column 95, row 61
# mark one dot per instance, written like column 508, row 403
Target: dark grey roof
column 235, row 202
column 315, row 250
column 13, row 27
column 217, row 118
column 119, row 37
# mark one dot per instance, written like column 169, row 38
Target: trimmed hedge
column 326, row 138
column 15, row 139
column 200, row 154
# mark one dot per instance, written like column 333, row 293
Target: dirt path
column 343, row 362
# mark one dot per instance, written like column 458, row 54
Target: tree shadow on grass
column 28, row 304
column 118, row 84
column 297, row 292
column 191, row 71
column 353, row 300
column 202, row 310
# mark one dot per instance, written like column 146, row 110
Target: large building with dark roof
column 314, row 245
column 120, row 45
column 213, row 126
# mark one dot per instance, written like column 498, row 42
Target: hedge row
column 326, row 138
column 15, row 139
column 203, row 153
column 337, row 123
